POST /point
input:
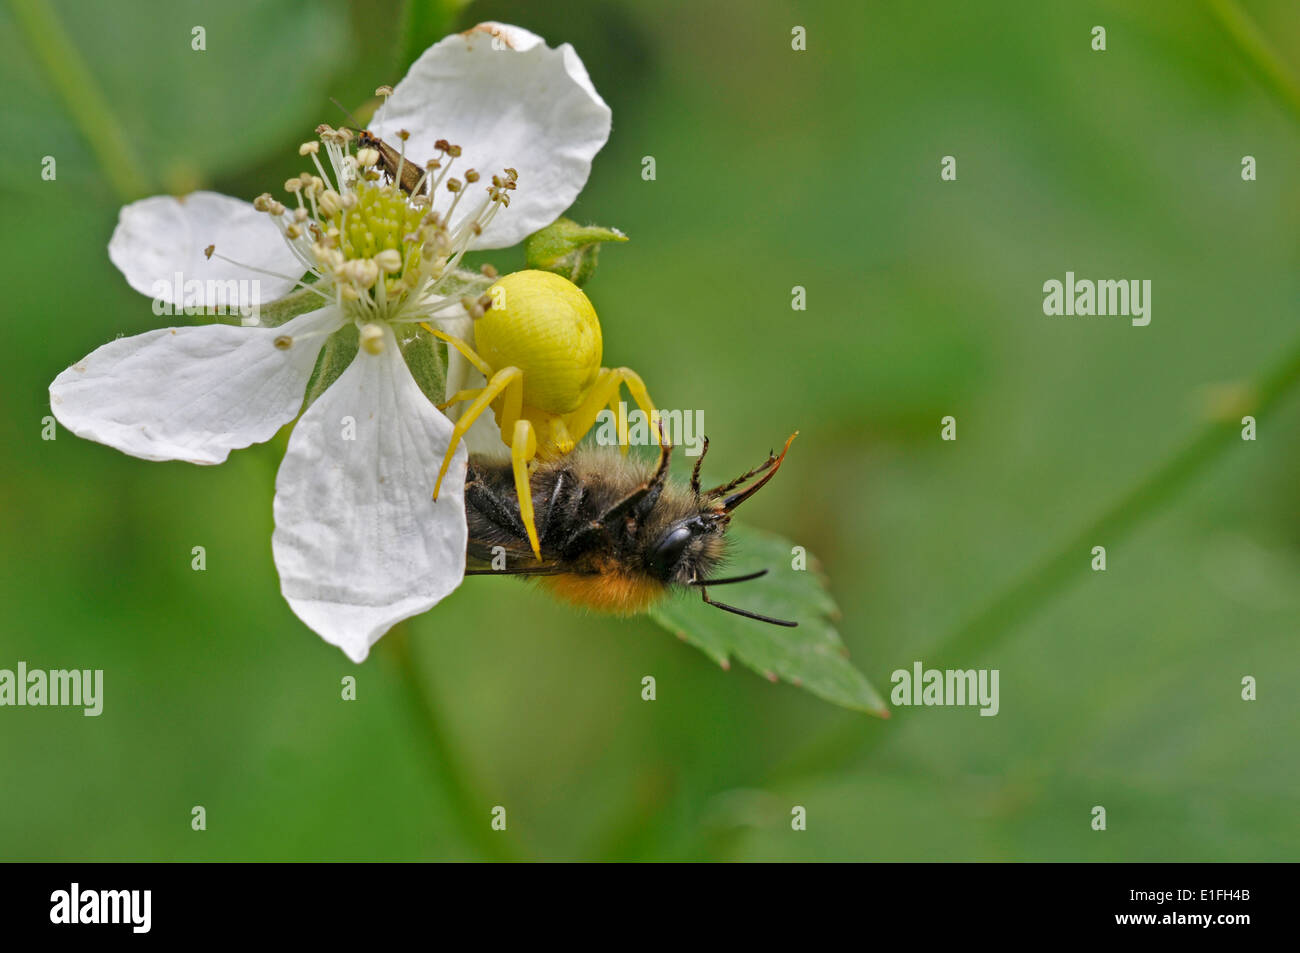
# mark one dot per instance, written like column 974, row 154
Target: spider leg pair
column 532, row 431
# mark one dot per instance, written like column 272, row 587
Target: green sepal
column 426, row 357
column 290, row 306
column 339, row 350
column 464, row 284
column 568, row 249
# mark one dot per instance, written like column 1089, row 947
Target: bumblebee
column 615, row 535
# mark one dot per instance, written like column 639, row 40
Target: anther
column 390, row 260
column 330, row 202
column 372, row 339
column 284, row 342
column 363, row 272
column 309, row 148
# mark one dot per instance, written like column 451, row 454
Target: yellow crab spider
column 539, row 349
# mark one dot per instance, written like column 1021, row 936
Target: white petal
column 524, row 106
column 159, row 246
column 191, row 393
column 359, row 542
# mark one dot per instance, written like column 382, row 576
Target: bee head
column 687, row 549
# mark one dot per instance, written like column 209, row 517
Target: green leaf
column 182, row 111
column 811, row 656
column 568, row 249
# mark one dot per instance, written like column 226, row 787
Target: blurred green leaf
column 811, row 655
column 183, row 115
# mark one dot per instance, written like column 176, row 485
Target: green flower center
column 383, row 219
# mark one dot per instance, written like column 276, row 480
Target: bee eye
column 668, row 551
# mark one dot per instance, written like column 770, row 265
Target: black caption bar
column 139, row 902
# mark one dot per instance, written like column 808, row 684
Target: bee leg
column 554, row 503
column 636, row 504
column 494, row 509
column 728, row 487
column 508, row 383
column 522, row 450
column 699, row 462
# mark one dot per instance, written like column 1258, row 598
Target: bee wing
column 519, row 560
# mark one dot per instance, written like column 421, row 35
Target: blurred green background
column 775, row 168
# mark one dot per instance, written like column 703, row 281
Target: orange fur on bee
column 614, row 592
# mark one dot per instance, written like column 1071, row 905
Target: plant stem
column 1252, row 42
column 90, row 111
column 470, row 807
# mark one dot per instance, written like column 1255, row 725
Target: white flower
column 359, row 542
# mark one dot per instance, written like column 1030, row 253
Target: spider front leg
column 523, row 447
column 605, row 393
column 507, row 383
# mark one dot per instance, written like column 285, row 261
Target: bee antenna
column 745, row 612
column 772, row 465
column 655, row 487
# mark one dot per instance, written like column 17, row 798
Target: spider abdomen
column 546, row 327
